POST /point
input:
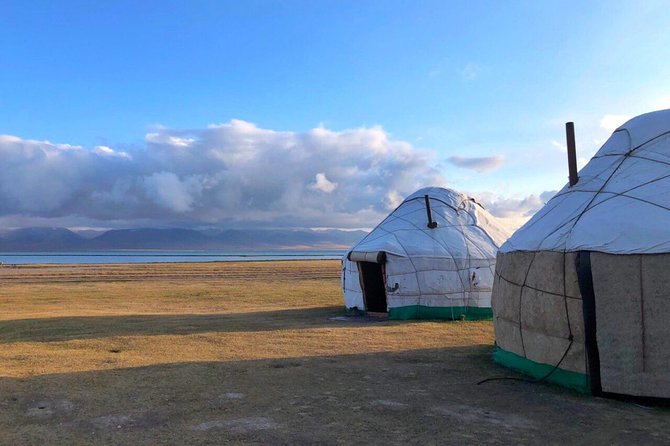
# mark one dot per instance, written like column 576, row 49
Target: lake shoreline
column 150, row 257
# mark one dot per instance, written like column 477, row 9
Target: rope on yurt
column 388, row 217
column 462, row 206
column 446, row 248
column 589, row 206
column 624, row 157
column 525, row 279
column 632, row 153
column 468, row 267
column 574, row 222
column 567, row 312
column 416, row 272
column 460, row 228
column 571, row 337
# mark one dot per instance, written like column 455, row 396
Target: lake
column 31, row 258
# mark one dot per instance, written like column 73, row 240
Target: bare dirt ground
column 222, row 353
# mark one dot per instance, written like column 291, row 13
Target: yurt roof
column 621, row 203
column 464, row 228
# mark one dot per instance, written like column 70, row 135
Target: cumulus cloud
column 479, row 164
column 393, row 199
column 323, row 184
column 168, row 190
column 515, row 211
column 229, row 174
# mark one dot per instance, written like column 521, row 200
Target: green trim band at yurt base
column 566, row 378
column 455, row 313
column 424, row 312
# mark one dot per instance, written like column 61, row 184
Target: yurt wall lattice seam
column 448, row 251
column 418, row 282
column 530, row 265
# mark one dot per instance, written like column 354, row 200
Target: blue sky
column 456, row 80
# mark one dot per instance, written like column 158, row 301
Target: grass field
column 217, row 353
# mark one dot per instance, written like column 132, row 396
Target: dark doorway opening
column 374, row 289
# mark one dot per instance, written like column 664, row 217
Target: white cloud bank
column 515, row 211
column 231, row 175
column 227, row 174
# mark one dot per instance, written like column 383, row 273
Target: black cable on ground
column 533, row 381
column 571, row 337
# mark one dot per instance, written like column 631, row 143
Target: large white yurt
column 582, row 290
column 432, row 257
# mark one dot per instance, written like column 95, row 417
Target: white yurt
column 582, row 290
column 432, row 257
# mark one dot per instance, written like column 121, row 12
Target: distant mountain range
column 62, row 239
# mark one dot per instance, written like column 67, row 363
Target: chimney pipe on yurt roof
column 572, row 152
column 431, row 223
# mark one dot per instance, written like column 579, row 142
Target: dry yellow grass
column 248, row 353
column 84, row 290
column 74, row 319
column 32, row 358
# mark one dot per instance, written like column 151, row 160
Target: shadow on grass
column 425, row 396
column 88, row 327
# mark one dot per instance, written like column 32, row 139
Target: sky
column 308, row 113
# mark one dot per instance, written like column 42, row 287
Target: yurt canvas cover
column 582, row 290
column 410, row 270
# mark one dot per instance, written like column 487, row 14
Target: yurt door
column 374, row 289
